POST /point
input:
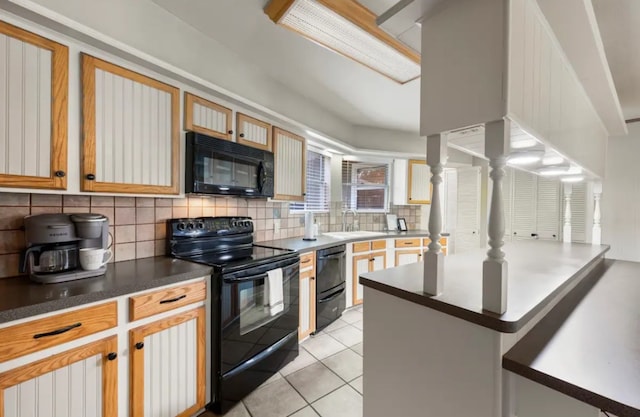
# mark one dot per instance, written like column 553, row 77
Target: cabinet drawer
column 307, row 260
column 361, row 247
column 36, row 335
column 307, row 274
column 408, row 243
column 378, row 244
column 156, row 302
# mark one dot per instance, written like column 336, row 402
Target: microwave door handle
column 249, row 278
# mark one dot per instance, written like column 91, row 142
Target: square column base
column 494, row 286
column 433, row 273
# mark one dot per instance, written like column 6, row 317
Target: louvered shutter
column 579, row 213
column 467, row 234
column 318, row 177
column 524, row 207
column 548, row 209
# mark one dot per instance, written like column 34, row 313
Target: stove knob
column 190, row 226
column 234, row 223
column 247, row 224
column 181, row 226
column 200, row 225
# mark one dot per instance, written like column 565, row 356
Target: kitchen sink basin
column 353, row 235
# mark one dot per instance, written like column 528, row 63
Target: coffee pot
column 53, row 245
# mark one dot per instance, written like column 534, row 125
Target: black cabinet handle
column 91, row 177
column 112, row 356
column 312, row 277
column 173, row 300
column 57, row 332
column 370, row 259
column 230, row 132
column 241, row 135
column 60, row 174
column 139, row 345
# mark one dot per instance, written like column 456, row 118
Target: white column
column 566, row 229
column 434, row 259
column 495, row 268
column 596, row 234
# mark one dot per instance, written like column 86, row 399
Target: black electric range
column 254, row 302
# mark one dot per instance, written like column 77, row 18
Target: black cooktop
column 248, row 257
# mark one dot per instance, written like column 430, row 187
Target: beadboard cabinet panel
column 579, row 212
column 524, row 209
column 419, row 186
column 33, row 110
column 548, row 209
column 467, row 235
column 206, row 117
column 253, row 132
column 290, row 160
column 131, row 138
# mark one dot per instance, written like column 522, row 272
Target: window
column 365, row 186
column 317, row 193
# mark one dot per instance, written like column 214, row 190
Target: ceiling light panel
column 329, row 29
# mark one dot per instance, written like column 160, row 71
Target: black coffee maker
column 53, row 244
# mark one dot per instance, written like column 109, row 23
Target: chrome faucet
column 354, row 222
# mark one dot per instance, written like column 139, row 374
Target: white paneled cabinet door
column 361, row 265
column 405, row 257
column 81, row 382
column 130, row 131
column 524, row 205
column 168, row 366
column 467, row 234
column 579, row 212
column 253, row 132
column 206, row 117
column 33, row 110
column 548, row 209
column 307, row 304
column 290, row 165
column 419, row 182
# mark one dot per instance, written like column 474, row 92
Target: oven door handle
column 249, row 278
column 331, row 297
column 335, row 256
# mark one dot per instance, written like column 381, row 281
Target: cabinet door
column 206, row 117
column 131, row 131
column 81, row 382
column 524, row 204
column 404, row 257
column 307, row 304
column 34, row 85
column 419, row 186
column 290, row 165
column 548, row 209
column 379, row 261
column 468, row 210
column 361, row 265
column 253, row 132
column 168, row 366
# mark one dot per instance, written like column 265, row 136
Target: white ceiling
column 349, row 90
column 619, row 23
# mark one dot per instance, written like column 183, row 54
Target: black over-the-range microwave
column 222, row 167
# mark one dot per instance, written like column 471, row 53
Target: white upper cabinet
column 206, row 117
column 33, row 110
column 253, row 132
column 131, row 131
column 290, row 165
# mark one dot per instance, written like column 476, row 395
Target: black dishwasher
column 330, row 285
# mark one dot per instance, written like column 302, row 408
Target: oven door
column 250, row 324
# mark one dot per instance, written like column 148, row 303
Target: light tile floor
column 324, row 380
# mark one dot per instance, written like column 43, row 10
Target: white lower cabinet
column 408, row 256
column 80, row 382
column 168, row 366
column 362, row 263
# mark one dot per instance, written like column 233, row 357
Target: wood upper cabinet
column 419, row 184
column 168, row 366
column 34, row 86
column 206, row 117
column 81, row 381
column 253, row 132
column 130, row 131
column 290, row 165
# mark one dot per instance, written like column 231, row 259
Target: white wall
column 621, row 196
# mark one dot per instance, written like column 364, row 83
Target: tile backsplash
column 137, row 224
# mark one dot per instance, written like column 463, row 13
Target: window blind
column 365, row 186
column 318, row 176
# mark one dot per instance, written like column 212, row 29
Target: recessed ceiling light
column 552, row 160
column 553, row 171
column 523, row 143
column 350, row 29
column 524, row 157
column 574, row 178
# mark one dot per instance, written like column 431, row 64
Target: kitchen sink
column 353, row 235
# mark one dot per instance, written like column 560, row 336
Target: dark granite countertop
column 21, row 298
column 588, row 346
column 538, row 272
column 323, row 241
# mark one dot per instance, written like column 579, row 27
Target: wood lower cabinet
column 367, row 262
column 79, row 382
column 168, row 366
column 404, row 257
column 307, row 299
